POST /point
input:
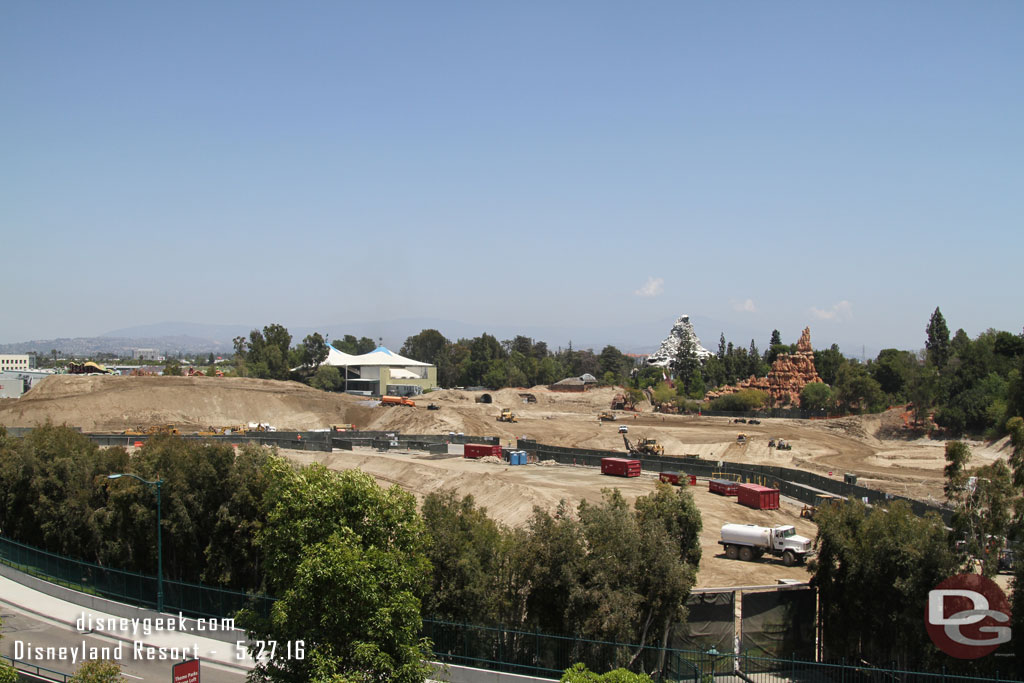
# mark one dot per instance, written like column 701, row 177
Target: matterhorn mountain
column 682, row 332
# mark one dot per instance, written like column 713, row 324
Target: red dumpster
column 670, row 478
column 620, row 467
column 723, row 487
column 693, row 480
column 758, row 497
column 480, row 450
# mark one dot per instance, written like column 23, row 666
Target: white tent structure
column 339, row 358
column 383, row 372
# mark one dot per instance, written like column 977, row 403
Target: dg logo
column 968, row 616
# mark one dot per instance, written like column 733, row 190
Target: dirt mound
column 104, row 403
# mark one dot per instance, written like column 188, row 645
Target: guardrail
column 36, row 670
column 133, row 588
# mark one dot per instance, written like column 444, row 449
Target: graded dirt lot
column 873, row 447
column 510, row 494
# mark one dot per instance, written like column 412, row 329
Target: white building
column 146, row 354
column 382, row 372
column 14, row 361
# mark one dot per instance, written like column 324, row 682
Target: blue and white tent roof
column 380, row 356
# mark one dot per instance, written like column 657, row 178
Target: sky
column 844, row 166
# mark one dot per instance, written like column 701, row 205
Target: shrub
column 748, row 399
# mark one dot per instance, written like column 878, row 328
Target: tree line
column 354, row 567
column 875, row 566
column 967, row 386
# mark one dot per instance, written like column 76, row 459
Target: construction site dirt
column 872, row 447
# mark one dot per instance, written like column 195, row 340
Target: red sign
column 967, row 616
column 185, row 672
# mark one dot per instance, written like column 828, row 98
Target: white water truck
column 749, row 541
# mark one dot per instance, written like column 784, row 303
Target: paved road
column 22, row 630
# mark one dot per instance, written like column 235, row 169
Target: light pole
column 159, row 540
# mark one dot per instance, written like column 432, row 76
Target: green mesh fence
column 133, row 588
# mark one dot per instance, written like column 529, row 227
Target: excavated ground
column 911, row 467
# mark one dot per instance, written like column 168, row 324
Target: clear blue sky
column 848, row 166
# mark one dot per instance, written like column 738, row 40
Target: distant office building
column 146, row 354
column 14, row 383
column 11, row 386
column 15, row 361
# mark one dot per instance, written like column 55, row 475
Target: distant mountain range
column 187, row 338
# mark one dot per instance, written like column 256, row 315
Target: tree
column 327, row 378
column 873, row 572
column 347, row 562
column 982, row 502
column 468, row 551
column 741, row 401
column 427, row 347
column 816, row 397
column 856, row 390
column 313, row 351
column 827, row 362
column 937, row 343
column 612, row 361
column 97, row 671
column 957, row 457
column 686, row 362
column 891, row 370
column 172, row 368
column 579, row 673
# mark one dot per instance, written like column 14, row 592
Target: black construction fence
column 314, row 440
column 794, row 483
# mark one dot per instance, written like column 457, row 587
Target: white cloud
column 745, row 306
column 653, row 287
column 839, row 312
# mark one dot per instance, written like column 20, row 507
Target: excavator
column 820, row 501
column 643, row 447
column 606, row 416
column 507, row 416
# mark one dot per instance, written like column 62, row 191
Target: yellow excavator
column 643, row 447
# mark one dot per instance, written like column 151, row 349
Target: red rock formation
column 790, row 373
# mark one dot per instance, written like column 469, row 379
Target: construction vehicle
column 161, row 429
column 753, row 421
column 749, row 541
column 606, row 416
column 783, row 445
column 397, row 401
column 820, row 501
column 433, row 406
column 643, row 447
column 622, row 402
column 344, row 428
column 211, row 431
column 507, row 416
column 741, row 439
column 740, row 420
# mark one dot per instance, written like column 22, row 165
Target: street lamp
column 159, row 542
